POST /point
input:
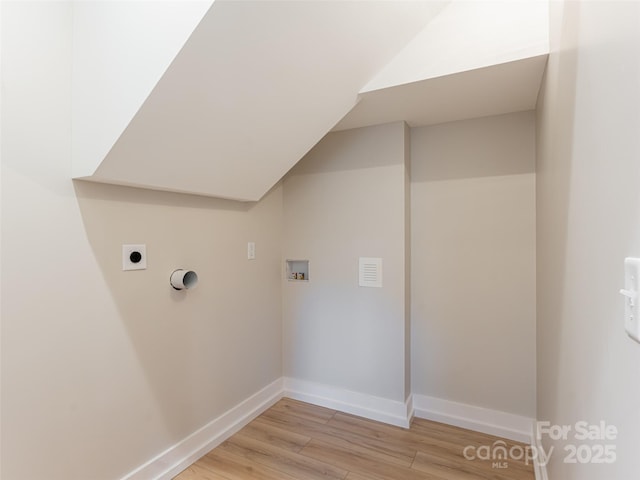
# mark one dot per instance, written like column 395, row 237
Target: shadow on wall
column 342, row 152
column 473, row 231
column 185, row 341
column 588, row 222
column 108, row 192
column 554, row 157
column 473, row 157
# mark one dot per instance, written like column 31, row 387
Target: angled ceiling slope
column 495, row 66
column 481, row 92
column 120, row 51
column 255, row 86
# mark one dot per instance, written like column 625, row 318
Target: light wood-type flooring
column 295, row 440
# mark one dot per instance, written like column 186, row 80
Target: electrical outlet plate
column 631, row 301
column 134, row 257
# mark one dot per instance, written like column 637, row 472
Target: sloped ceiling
column 468, row 35
column 475, row 59
column 256, row 85
column 121, row 49
column 482, row 92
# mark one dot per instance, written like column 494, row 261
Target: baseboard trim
column 539, row 462
column 410, row 410
column 178, row 457
column 347, row 401
column 493, row 422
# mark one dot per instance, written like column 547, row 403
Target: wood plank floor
column 297, row 441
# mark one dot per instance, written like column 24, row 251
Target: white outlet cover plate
column 632, row 304
column 127, row 250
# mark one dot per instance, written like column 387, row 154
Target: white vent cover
column 370, row 272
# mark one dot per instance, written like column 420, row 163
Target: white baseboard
column 178, row 457
column 539, row 464
column 361, row 404
column 493, row 422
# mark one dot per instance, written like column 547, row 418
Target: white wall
column 466, row 225
column 121, row 50
column 473, row 262
column 95, row 360
column 103, row 369
column 467, row 35
column 346, row 200
column 588, row 221
column 237, row 97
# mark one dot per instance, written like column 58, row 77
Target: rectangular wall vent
column 370, row 272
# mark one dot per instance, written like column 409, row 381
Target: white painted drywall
column 588, row 207
column 473, row 262
column 483, row 92
column 120, row 51
column 467, row 35
column 103, row 369
column 255, row 87
column 476, row 58
column 346, row 200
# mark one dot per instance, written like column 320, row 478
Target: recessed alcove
column 297, row 270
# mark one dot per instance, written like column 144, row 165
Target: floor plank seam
column 414, row 460
column 298, row 441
